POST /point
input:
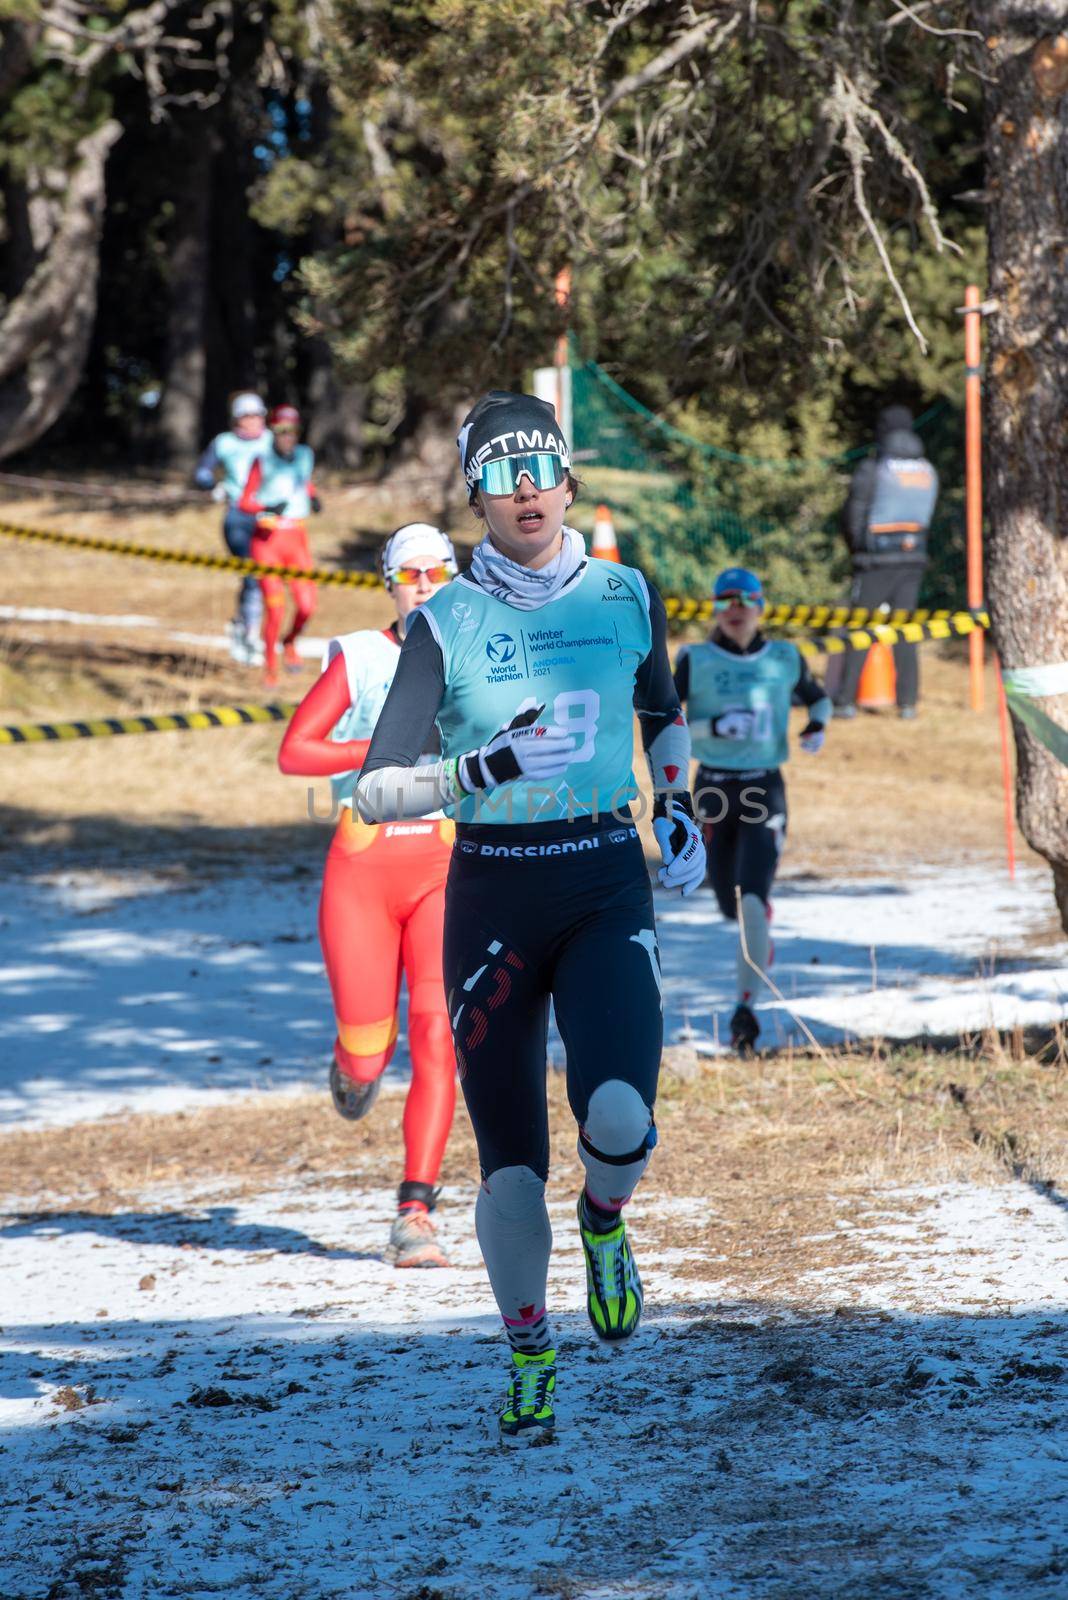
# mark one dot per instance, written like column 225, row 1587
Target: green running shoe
column 528, row 1416
column 613, row 1286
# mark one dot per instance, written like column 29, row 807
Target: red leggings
column 282, row 544
column 382, row 912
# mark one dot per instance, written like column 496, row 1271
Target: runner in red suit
column 280, row 493
column 382, row 907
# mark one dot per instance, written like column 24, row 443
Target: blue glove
column 812, row 737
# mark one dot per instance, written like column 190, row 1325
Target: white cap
column 416, row 539
column 247, row 405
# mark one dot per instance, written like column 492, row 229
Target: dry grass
column 781, row 1151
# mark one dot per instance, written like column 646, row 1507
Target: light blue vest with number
column 577, row 656
column 287, row 479
column 756, row 689
column 235, row 456
column 371, row 658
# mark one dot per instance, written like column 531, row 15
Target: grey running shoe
column 237, row 643
column 413, row 1240
column 353, row 1100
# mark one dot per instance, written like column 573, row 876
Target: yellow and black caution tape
column 818, row 619
column 883, row 633
column 162, row 722
column 809, row 618
column 191, row 558
column 823, row 618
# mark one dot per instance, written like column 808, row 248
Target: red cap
column 279, row 414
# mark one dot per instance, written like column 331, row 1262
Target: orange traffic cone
column 604, row 536
column 878, row 681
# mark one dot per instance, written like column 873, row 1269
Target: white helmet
column 416, row 539
column 246, row 405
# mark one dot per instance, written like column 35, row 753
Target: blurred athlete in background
column 886, row 519
column 383, row 900
column 737, row 688
column 279, row 494
column 232, row 455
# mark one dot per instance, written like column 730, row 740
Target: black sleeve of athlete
column 808, row 689
column 665, row 736
column 655, row 698
column 404, row 729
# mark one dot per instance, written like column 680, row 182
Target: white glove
column 218, row 494
column 812, row 737
column 524, row 748
column 733, row 725
column 681, row 846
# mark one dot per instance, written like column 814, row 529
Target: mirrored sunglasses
column 441, row 573
column 545, row 471
column 752, row 602
column 285, row 427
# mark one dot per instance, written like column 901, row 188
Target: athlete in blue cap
column 738, row 688
column 532, row 666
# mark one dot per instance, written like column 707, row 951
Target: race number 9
column 577, row 710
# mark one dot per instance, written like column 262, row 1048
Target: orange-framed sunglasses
column 440, row 573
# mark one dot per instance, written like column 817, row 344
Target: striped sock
column 528, row 1334
column 598, row 1218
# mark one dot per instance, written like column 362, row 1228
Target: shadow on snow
column 747, row 1449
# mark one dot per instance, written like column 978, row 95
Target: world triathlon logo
column 500, row 647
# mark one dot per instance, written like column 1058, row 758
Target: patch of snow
column 943, row 951
column 243, row 1399
column 230, row 981
column 310, row 646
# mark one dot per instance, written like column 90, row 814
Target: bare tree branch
column 906, row 13
column 845, row 102
column 685, row 45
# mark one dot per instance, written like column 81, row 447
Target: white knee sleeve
column 614, row 1142
column 513, row 1230
column 754, row 925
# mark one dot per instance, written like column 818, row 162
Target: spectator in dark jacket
column 885, row 520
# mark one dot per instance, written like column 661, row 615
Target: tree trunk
column 45, row 329
column 335, row 411
column 19, row 257
column 1027, row 388
column 181, row 408
column 232, row 330
column 424, row 462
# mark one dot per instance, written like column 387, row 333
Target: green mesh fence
column 683, row 509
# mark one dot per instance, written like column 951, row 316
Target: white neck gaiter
column 520, row 586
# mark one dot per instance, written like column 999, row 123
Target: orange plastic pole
column 1006, row 771
column 973, row 479
column 563, row 298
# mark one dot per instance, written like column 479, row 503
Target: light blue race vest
column 371, row 658
column 751, row 694
column 286, row 480
column 577, row 656
column 235, row 456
